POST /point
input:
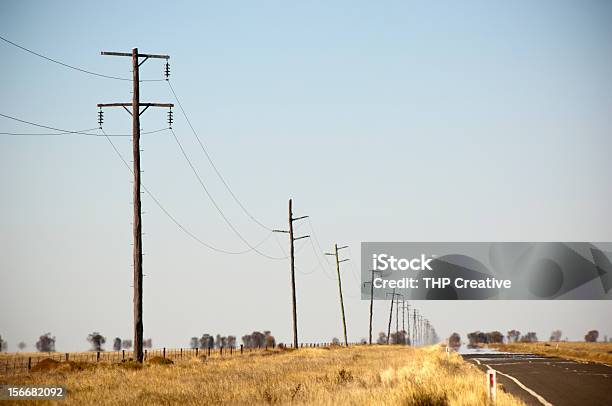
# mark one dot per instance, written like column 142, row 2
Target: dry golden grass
column 580, row 351
column 361, row 375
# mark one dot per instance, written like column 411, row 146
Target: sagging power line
column 76, row 68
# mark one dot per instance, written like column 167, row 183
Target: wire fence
column 15, row 364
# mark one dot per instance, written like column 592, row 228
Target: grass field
column 360, row 375
column 580, row 351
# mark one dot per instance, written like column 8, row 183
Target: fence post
column 123, row 354
column 240, row 349
column 29, row 363
column 164, row 353
column 181, row 353
column 66, row 356
column 196, row 352
column 209, row 350
column 221, row 351
column 98, row 356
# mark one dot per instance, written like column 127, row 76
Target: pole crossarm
column 147, row 105
column 299, row 238
column 107, row 53
column 299, row 218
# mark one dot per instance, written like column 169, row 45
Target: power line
column 67, row 132
column 217, row 207
column 170, row 216
column 208, row 157
column 71, row 66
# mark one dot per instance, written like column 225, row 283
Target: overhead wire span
column 71, row 66
column 170, row 216
column 212, row 164
column 216, row 205
column 61, row 131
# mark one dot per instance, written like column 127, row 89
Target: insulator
column 170, row 118
column 167, row 70
column 100, row 117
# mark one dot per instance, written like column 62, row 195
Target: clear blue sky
column 385, row 121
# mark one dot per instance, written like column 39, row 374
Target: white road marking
column 526, row 389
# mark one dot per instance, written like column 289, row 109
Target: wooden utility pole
column 371, row 304
column 137, row 225
column 292, row 239
column 390, row 316
column 414, row 327
column 404, row 318
column 408, row 336
column 393, row 295
column 397, row 305
column 338, row 260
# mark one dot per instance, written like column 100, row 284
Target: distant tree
column 219, row 341
column 126, row 344
column 476, row 338
column 382, row 338
column 117, row 344
column 207, row 341
column 591, row 336
column 363, row 341
column 148, row 343
column 398, row 337
column 3, row 344
column 270, row 341
column 530, row 337
column 556, row 335
column 96, row 340
column 46, row 343
column 335, row 341
column 231, row 341
column 454, row 341
column 495, row 337
column 21, row 346
column 513, row 336
column 194, row 342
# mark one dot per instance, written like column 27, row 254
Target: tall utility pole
column 292, row 239
column 371, row 304
column 338, row 260
column 137, row 226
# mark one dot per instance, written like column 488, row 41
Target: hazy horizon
column 402, row 121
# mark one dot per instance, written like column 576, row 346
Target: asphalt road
column 539, row 380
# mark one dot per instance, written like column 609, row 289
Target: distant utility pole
column 408, row 338
column 137, row 226
column 404, row 318
column 338, row 260
column 421, row 329
column 292, row 253
column 390, row 315
column 415, row 332
column 371, row 303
